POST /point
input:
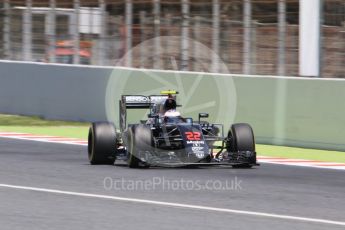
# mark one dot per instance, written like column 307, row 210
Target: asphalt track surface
column 274, row 189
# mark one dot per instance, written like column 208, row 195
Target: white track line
column 177, row 205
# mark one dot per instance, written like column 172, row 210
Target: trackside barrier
column 285, row 111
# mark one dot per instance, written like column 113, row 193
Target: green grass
column 301, row 153
column 16, row 120
column 36, row 125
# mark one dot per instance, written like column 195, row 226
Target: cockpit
column 173, row 120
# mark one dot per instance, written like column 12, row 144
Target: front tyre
column 242, row 137
column 102, row 143
column 139, row 140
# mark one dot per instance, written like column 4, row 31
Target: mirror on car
column 203, row 115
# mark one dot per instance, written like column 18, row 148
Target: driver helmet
column 169, row 104
column 170, row 108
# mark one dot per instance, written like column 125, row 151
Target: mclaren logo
column 137, row 99
column 145, row 99
column 196, row 142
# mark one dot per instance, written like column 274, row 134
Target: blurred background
column 250, row 36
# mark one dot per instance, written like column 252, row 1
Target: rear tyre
column 139, row 140
column 242, row 140
column 102, row 143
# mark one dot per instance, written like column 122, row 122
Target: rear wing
column 136, row 102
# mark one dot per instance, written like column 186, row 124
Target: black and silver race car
column 169, row 141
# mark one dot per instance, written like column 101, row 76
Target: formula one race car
column 168, row 139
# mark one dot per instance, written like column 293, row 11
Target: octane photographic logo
column 165, row 184
column 199, row 92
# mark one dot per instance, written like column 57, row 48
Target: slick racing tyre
column 102, row 143
column 242, row 140
column 139, row 140
column 243, row 137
